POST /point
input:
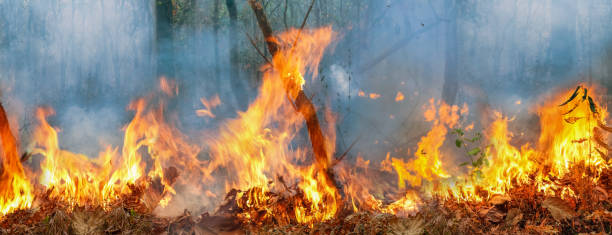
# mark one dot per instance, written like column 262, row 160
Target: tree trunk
column 302, row 103
column 163, row 38
column 235, row 80
column 216, row 39
column 451, row 86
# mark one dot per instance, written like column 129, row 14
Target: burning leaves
column 209, row 104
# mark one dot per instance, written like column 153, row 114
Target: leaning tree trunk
column 302, row 103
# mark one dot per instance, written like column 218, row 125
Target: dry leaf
column 513, row 217
column 492, row 214
column 558, row 208
column 542, row 229
column 499, row 199
column 572, row 120
column 600, row 215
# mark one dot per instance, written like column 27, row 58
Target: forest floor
column 523, row 211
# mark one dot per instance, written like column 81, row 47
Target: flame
column 568, row 133
column 16, row 192
column 79, row 180
column 259, row 154
column 399, row 97
column 571, row 137
column 257, row 146
column 427, row 164
column 209, row 104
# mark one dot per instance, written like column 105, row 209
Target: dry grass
column 524, row 211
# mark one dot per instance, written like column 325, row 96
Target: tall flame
column 15, row 189
column 258, row 146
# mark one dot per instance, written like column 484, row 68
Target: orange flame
column 79, row 180
column 571, row 136
column 15, row 188
column 399, row 97
column 256, row 146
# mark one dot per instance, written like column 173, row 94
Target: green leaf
column 459, row 132
column 458, row 143
column 464, row 164
column 478, row 163
column 474, row 151
column 592, row 105
column 573, row 96
column 478, row 174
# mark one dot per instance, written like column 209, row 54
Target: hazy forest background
column 88, row 59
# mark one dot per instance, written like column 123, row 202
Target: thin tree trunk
column 216, row 39
column 302, row 103
column 450, row 86
column 163, row 36
column 235, row 80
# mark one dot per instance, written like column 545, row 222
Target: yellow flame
column 16, row 192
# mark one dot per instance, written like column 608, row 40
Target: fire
column 569, row 132
column 79, row 180
column 209, row 104
column 427, row 164
column 258, row 157
column 16, row 192
column 572, row 137
column 257, row 146
column 399, row 97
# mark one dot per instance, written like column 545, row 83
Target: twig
column 339, row 159
column 302, row 26
column 257, row 48
column 366, row 66
column 285, row 15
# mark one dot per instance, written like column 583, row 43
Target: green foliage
column 475, row 149
column 46, row 220
column 133, row 212
column 599, row 141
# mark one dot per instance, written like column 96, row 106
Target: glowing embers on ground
column 572, row 140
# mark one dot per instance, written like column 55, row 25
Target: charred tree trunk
column 163, row 38
column 451, row 86
column 302, row 103
column 235, row 80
